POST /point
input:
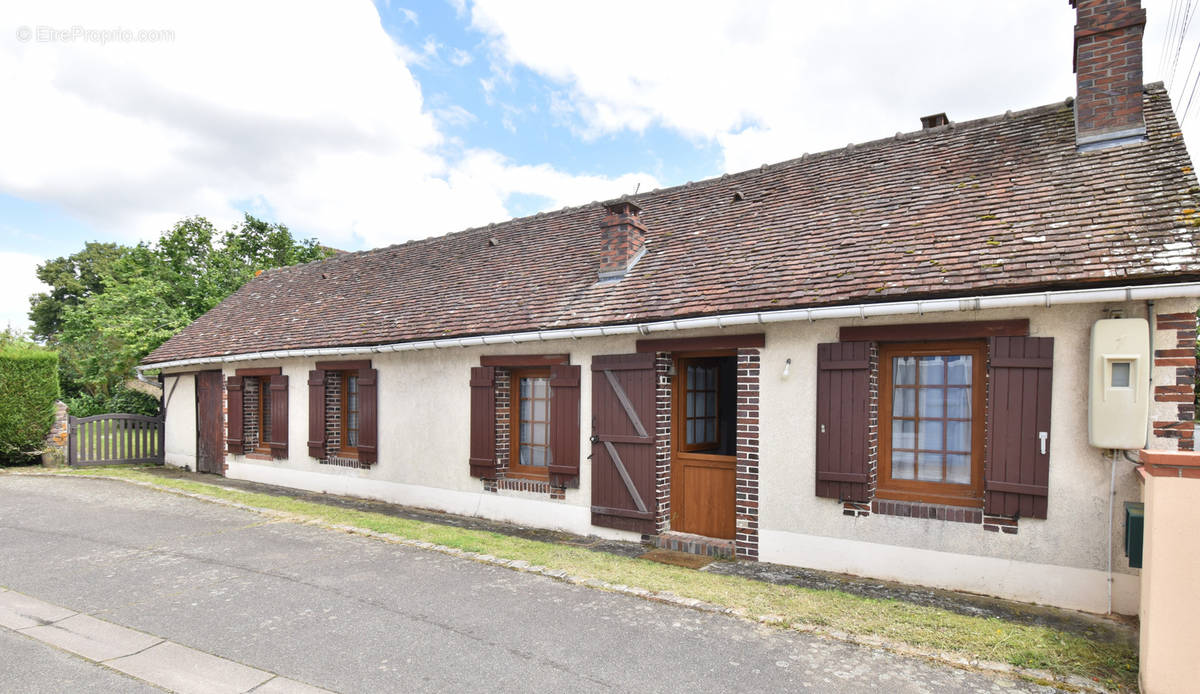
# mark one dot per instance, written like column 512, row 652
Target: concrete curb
column 1066, row 683
column 145, row 657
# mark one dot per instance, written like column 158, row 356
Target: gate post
column 1170, row 605
column 55, row 448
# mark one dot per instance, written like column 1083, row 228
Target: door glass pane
column 904, row 371
column 710, row 430
column 958, row 403
column 691, row 404
column 929, row 467
column 933, row 401
column 691, row 431
column 902, row 465
column 958, row 436
column 710, row 405
column 904, row 433
column 959, row 368
column 958, row 469
column 933, row 370
column 930, row 435
column 904, row 403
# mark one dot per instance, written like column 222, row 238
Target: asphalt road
column 353, row 614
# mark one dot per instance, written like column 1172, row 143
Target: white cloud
column 18, row 282
column 459, row 57
column 769, row 80
column 307, row 109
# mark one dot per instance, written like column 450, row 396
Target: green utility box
column 1135, row 523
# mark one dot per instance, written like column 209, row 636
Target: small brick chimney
column 623, row 240
column 1108, row 72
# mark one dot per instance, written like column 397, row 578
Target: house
column 872, row 360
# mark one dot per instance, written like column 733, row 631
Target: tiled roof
column 997, row 205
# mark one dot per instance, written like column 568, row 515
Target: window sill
column 929, row 498
column 528, row 475
column 259, row 455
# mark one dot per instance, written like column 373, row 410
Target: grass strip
column 1111, row 665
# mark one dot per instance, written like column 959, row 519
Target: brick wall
column 1108, row 66
column 662, row 453
column 503, row 386
column 748, row 368
column 250, row 436
column 1173, row 411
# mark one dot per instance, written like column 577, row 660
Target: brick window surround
column 252, row 390
column 502, row 393
column 333, row 424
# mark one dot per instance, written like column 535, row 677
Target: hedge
column 28, row 389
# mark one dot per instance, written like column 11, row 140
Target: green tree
column 109, row 305
column 72, row 279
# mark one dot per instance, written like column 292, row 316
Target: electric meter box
column 1119, row 383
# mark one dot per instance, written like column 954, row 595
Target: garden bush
column 120, row 401
column 28, row 389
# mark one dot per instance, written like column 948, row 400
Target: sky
column 365, row 124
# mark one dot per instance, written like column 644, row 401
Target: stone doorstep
column 695, row 544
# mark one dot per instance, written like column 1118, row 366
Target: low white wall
column 1047, row 584
column 511, row 508
column 180, row 438
column 1170, row 639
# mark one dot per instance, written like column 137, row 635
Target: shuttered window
column 962, row 422
column 343, row 413
column 542, row 419
column 257, row 411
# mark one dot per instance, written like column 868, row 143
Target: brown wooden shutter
column 1017, row 470
column 564, row 425
column 843, row 420
column 279, row 416
column 623, row 441
column 483, row 421
column 316, row 414
column 233, row 410
column 368, row 415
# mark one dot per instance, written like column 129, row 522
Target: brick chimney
column 622, row 238
column 1108, row 72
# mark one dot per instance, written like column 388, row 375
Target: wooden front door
column 623, row 442
column 210, row 435
column 704, row 444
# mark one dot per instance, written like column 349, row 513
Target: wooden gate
column 623, row 442
column 109, row 439
column 210, row 434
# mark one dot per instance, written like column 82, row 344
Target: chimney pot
column 1108, row 73
column 937, row 120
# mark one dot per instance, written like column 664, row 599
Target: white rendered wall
column 424, row 401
